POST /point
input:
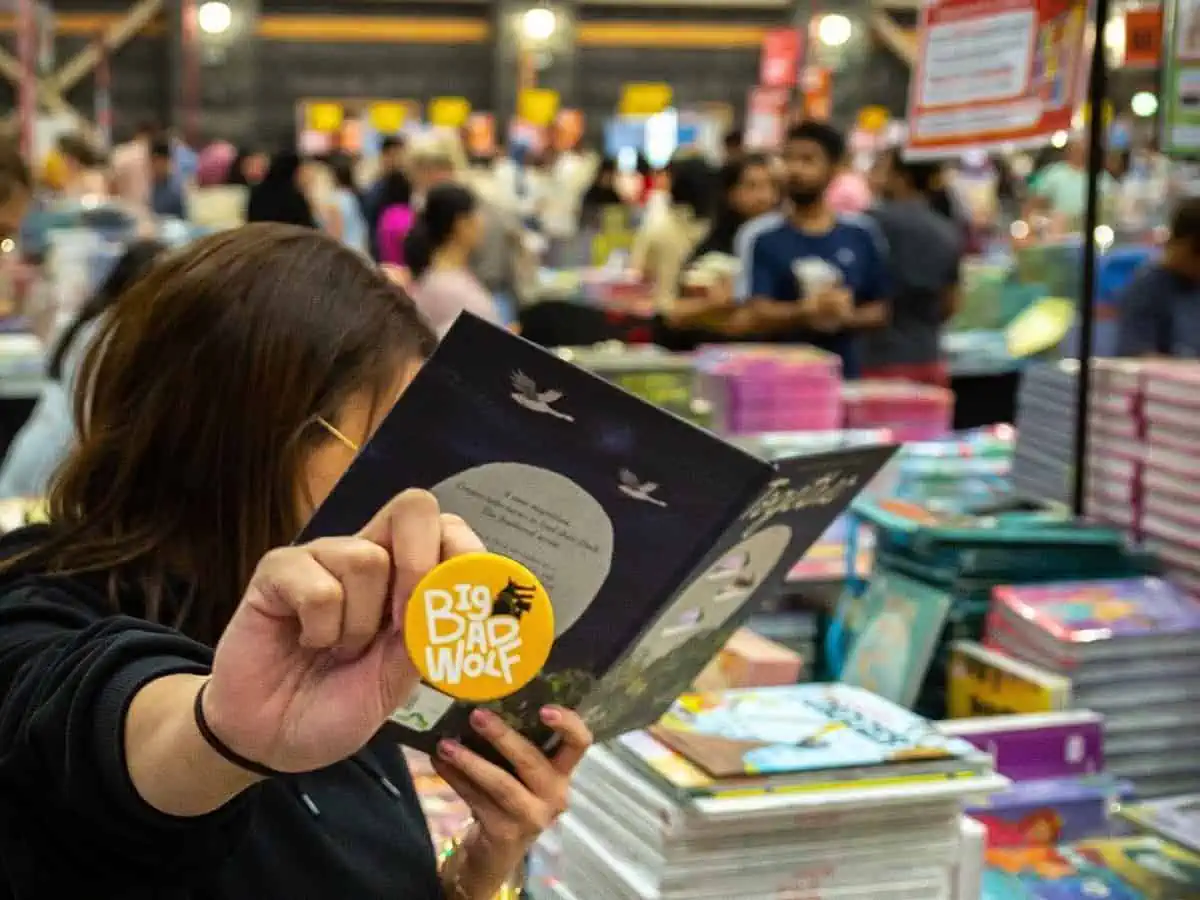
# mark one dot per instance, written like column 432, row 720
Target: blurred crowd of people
column 806, row 244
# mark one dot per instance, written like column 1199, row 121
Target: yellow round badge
column 479, row 627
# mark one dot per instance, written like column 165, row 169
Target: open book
column 653, row 537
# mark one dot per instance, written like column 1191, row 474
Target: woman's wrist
column 171, row 765
column 477, row 868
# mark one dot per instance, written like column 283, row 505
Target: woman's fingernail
column 482, row 719
column 448, row 749
column 551, row 716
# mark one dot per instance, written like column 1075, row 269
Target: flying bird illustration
column 526, row 393
column 632, row 486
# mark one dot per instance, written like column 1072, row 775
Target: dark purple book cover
column 654, row 538
column 1052, row 745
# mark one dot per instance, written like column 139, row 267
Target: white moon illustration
column 544, row 521
column 711, row 600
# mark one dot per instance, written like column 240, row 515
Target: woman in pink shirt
column 396, row 218
column 438, row 255
column 848, row 192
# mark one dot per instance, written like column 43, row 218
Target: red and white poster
column 995, row 73
column 780, row 62
column 766, row 111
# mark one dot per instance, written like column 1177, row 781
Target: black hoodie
column 72, row 824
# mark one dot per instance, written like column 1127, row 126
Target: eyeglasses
column 336, row 433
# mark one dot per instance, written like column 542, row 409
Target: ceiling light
column 214, row 17
column 834, row 30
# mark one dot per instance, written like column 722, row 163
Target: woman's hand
column 510, row 810
column 313, row 661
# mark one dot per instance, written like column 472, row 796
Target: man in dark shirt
column 166, row 193
column 925, row 250
column 814, row 276
column 1159, row 310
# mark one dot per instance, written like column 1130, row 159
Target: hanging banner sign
column 780, row 61
column 645, row 99
column 995, row 73
column 766, row 109
column 1181, row 79
column 449, row 112
column 537, row 106
column 1143, row 37
column 817, row 87
column 387, row 117
column 323, row 117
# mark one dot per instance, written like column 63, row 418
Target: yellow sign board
column 449, row 112
column 388, row 117
column 324, row 117
column 537, row 106
column 645, row 99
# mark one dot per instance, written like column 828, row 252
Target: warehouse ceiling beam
column 11, row 68
column 84, row 63
column 901, row 41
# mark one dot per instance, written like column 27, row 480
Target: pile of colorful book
column 1060, row 791
column 1043, row 465
column 787, row 792
column 964, row 471
column 1128, row 649
column 933, row 582
column 763, row 388
column 1056, row 831
column 912, row 412
column 1169, row 519
column 1109, row 868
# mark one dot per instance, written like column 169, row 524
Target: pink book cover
column 1084, row 612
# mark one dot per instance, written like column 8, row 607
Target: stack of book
column 1127, row 649
column 933, row 581
column 1043, row 465
column 1060, row 791
column 759, row 389
column 804, row 791
column 1175, row 819
column 1045, row 430
column 1116, row 431
column 1168, row 516
column 966, row 470
column 912, row 412
column 668, row 380
column 1112, row 868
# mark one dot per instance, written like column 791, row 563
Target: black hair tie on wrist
column 220, row 747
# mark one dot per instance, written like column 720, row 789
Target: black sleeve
column 67, row 677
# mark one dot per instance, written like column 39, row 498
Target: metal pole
column 1097, row 94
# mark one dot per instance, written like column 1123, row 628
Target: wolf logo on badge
column 513, row 600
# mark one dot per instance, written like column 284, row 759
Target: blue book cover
column 654, row 538
column 899, row 621
column 804, row 728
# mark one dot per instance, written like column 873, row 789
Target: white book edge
column 1022, row 722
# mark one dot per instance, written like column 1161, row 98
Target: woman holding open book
column 189, row 704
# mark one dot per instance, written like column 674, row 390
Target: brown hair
column 197, row 407
column 14, row 172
